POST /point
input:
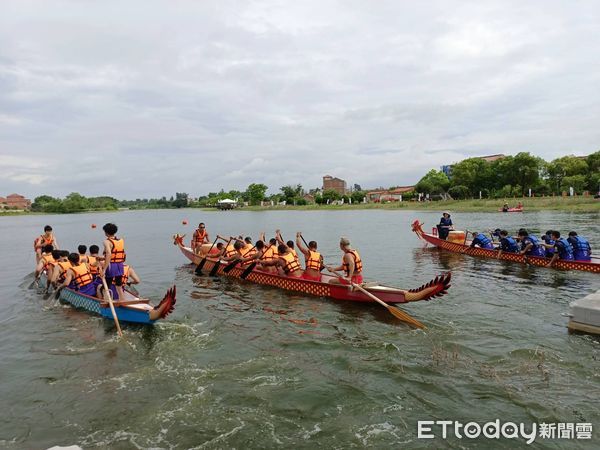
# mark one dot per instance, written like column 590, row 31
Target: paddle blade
column 231, row 265
column 200, row 266
column 399, row 314
column 215, row 269
column 57, row 294
column 248, row 270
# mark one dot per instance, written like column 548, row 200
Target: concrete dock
column 585, row 314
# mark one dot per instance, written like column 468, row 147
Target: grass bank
column 577, row 204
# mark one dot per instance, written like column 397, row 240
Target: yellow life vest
column 82, row 276
column 64, row 266
column 314, row 262
column 269, row 253
column 291, row 265
column 248, row 250
column 357, row 263
column 230, row 250
column 48, row 260
column 117, row 253
column 93, row 265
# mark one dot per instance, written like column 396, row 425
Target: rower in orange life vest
column 94, row 261
column 83, row 258
column 46, row 262
column 284, row 263
column 269, row 253
column 61, row 267
column 288, row 244
column 351, row 264
column 199, row 238
column 114, row 254
column 45, row 239
column 313, row 259
column 78, row 277
column 129, row 277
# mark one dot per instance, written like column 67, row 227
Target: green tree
column 567, row 166
column 593, row 177
column 358, row 196
column 459, row 192
column 181, row 200
column 526, row 171
column 291, row 194
column 434, row 182
column 330, row 195
column 75, row 202
column 473, row 173
column 256, row 193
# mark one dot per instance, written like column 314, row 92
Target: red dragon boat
column 465, row 248
column 435, row 288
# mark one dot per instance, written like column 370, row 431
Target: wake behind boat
column 463, row 246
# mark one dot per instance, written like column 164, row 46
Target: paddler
column 60, row 269
column 481, row 240
column 46, row 262
column 445, row 225
column 83, row 258
column 114, row 255
column 582, row 251
column 94, row 261
column 199, row 238
column 284, row 263
column 313, row 259
column 530, row 245
column 549, row 243
column 47, row 238
column 562, row 248
column 507, row 243
column 288, row 244
column 351, row 264
column 79, row 277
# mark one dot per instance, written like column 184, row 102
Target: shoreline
column 568, row 204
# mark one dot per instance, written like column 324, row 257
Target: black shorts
column 118, row 280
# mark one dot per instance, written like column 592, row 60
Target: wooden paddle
column 203, row 261
column 398, row 313
column 108, row 298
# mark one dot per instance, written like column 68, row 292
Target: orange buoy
column 184, row 222
column 93, row 225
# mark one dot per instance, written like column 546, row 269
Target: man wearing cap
column 351, row 265
column 445, row 225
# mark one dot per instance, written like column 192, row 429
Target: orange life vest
column 230, row 251
column 248, row 250
column 314, row 262
column 269, row 253
column 295, row 255
column 42, row 241
column 82, row 276
column 198, row 236
column 125, row 273
column 357, row 263
column 49, row 260
column 117, row 253
column 291, row 265
column 64, row 266
column 93, row 265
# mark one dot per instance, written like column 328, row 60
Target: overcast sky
column 148, row 98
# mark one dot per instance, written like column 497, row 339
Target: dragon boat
column 131, row 308
column 464, row 247
column 435, row 288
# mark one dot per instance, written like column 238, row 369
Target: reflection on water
column 244, row 366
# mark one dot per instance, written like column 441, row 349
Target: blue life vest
column 564, row 249
column 509, row 245
column 536, row 249
column 581, row 248
column 483, row 241
column 548, row 240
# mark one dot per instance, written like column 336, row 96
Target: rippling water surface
column 243, row 366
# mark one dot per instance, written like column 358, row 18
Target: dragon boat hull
column 435, row 288
column 131, row 309
column 465, row 248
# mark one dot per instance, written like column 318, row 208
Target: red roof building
column 16, row 201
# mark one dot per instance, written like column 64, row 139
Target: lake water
column 243, row 366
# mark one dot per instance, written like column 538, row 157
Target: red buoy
column 93, row 225
column 184, row 222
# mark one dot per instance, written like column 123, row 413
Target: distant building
column 388, row 195
column 490, row 158
column 309, row 198
column 15, row 201
column 336, row 184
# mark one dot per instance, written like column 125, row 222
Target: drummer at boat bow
column 313, row 259
column 481, row 240
column 114, row 254
column 199, row 238
column 445, row 225
column 351, row 264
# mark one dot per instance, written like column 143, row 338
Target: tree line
column 514, row 176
